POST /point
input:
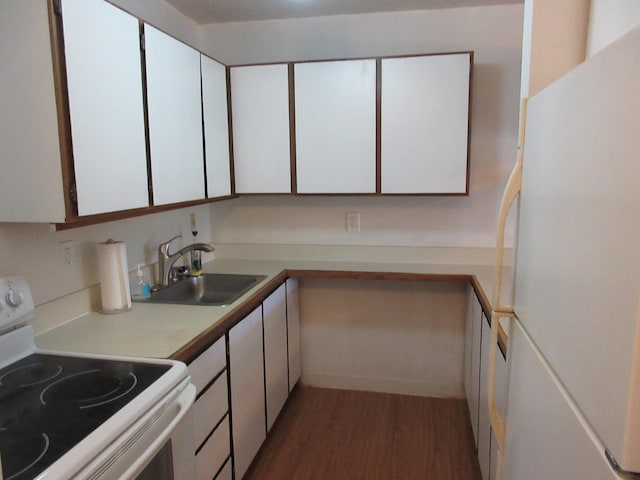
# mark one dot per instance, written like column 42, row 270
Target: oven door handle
column 184, row 403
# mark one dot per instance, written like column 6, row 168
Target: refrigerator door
column 577, row 274
column 545, row 439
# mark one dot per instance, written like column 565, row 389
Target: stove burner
column 21, row 452
column 88, row 389
column 29, row 375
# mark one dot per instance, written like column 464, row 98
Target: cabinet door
column 468, row 338
column 484, row 423
column 246, row 369
column 425, row 122
column 31, row 188
column 335, row 106
column 216, row 127
column 104, row 78
column 293, row 329
column 260, row 110
column 276, row 369
column 475, row 318
column 175, row 118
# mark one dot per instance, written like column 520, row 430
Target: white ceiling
column 218, row 11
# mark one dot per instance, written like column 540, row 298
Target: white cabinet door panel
column 335, row 106
column 209, row 409
column 246, row 369
column 484, row 423
column 104, row 77
column 214, row 452
column 175, row 118
column 425, row 118
column 208, row 364
column 474, row 393
column 216, row 127
column 275, row 352
column 261, row 148
column 293, row 329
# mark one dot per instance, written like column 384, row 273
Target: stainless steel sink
column 216, row 289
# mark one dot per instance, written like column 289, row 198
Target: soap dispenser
column 142, row 288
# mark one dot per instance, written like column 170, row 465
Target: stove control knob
column 13, row 297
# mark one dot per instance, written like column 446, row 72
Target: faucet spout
column 167, row 260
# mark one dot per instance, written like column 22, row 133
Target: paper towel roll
column 114, row 277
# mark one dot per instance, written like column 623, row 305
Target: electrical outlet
column 67, row 252
column 353, row 222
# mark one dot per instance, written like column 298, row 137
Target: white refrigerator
column 573, row 404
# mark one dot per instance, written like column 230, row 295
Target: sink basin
column 208, row 289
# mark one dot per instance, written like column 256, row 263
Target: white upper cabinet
column 216, row 127
column 102, row 52
column 425, row 123
column 175, row 118
column 261, row 145
column 103, row 75
column 335, row 124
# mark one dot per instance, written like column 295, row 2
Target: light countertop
column 182, row 331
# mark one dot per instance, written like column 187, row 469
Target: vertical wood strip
column 232, row 174
column 292, row 130
column 378, row 126
column 62, row 104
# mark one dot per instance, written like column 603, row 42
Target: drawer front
column 226, row 472
column 204, row 368
column 210, row 407
column 214, row 453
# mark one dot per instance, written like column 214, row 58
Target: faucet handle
column 164, row 247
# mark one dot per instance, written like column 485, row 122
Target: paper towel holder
column 114, row 277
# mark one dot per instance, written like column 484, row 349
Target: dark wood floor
column 327, row 434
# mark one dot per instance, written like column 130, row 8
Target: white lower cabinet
column 214, row 452
column 263, row 350
column 484, row 422
column 293, row 331
column 226, row 473
column 477, row 338
column 211, row 437
column 246, row 369
column 276, row 368
column 472, row 361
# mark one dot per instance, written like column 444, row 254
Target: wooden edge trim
column 64, row 116
column 190, row 351
column 232, row 169
column 292, row 130
column 124, row 214
column 487, row 310
column 469, row 108
column 378, row 126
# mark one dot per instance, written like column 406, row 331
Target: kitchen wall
column 494, row 33
column 34, row 251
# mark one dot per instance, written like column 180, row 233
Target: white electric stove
column 75, row 416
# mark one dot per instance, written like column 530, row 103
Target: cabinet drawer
column 204, row 368
column 214, row 452
column 212, row 405
column 226, row 472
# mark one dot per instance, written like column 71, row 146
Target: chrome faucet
column 166, row 260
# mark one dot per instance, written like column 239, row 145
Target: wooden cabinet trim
column 62, row 104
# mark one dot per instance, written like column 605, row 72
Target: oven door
column 158, row 446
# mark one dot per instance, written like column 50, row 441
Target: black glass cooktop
column 49, row 403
